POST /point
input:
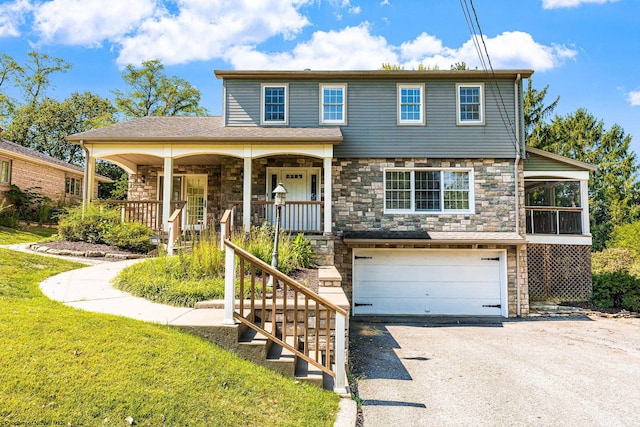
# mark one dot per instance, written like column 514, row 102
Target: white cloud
column 12, row 15
column 355, row 10
column 205, row 29
column 352, row 48
column 89, row 23
column 556, row 4
column 634, row 98
column 385, row 3
column 356, row 48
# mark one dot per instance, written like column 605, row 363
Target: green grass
column 25, row 235
column 63, row 366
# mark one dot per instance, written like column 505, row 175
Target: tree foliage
column 614, row 192
column 44, row 126
column 151, row 93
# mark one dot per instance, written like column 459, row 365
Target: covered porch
column 212, row 168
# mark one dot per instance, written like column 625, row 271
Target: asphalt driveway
column 578, row 372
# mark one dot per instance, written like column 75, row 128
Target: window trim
column 422, row 120
column 77, row 186
column 263, row 87
column 342, row 86
column 442, row 211
column 479, row 122
column 8, row 162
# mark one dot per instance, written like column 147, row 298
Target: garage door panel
column 420, row 273
column 418, row 289
column 414, row 281
column 423, row 306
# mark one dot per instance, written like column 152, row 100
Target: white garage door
column 428, row 281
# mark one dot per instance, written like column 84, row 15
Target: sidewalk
column 90, row 289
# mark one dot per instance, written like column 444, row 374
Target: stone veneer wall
column 358, row 204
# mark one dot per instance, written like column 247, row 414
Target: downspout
column 85, row 179
column 516, row 165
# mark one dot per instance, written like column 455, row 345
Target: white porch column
column 166, row 192
column 584, row 202
column 328, row 184
column 90, row 179
column 246, row 195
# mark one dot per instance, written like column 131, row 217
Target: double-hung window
column 411, row 104
column 5, row 171
column 470, row 104
column 428, row 191
column 274, row 104
column 73, row 186
column 333, row 103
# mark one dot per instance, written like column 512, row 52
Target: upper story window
column 333, row 101
column 470, row 104
column 411, row 104
column 274, row 104
column 553, row 207
column 428, row 191
column 73, row 186
column 5, row 171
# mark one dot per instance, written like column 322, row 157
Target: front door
column 193, row 189
column 303, row 185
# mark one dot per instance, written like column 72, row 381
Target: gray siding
column 535, row 163
column 372, row 129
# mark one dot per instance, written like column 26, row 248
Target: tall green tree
column 9, row 69
column 536, row 112
column 151, row 93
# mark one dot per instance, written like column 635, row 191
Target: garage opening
column 429, row 282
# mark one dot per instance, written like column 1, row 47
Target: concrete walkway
column 90, row 289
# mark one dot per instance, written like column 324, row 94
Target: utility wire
column 487, row 65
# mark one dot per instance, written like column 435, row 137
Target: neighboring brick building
column 31, row 170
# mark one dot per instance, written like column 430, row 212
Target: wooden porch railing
column 147, row 212
column 296, row 216
column 259, row 313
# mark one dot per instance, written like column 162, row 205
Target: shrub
column 618, row 289
column 612, row 260
column 26, row 203
column 132, row 236
column 90, row 227
column 626, row 236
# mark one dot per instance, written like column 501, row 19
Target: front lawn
column 63, row 366
column 25, row 235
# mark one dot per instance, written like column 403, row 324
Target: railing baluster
column 264, row 299
column 295, row 317
column 253, row 293
column 306, row 326
column 317, row 332
column 284, row 311
column 241, row 287
column 328, row 339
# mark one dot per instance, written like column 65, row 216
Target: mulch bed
column 85, row 250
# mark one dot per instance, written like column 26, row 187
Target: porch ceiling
column 145, row 159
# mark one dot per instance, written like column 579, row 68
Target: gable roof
column 557, row 159
column 9, row 148
column 202, row 129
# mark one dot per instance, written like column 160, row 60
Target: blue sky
column 587, row 51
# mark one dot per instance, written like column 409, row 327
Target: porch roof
column 203, row 129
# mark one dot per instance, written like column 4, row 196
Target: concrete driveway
column 548, row 372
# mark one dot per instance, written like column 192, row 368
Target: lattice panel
column 559, row 272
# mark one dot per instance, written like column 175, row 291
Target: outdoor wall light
column 143, row 179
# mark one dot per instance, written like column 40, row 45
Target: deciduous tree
column 151, row 93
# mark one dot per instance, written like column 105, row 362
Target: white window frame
column 342, row 86
column 8, row 178
column 481, row 120
column 404, row 122
column 442, row 210
column 263, row 88
column 73, row 186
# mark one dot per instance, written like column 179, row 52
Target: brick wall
column 27, row 175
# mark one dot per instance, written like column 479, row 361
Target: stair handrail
column 175, row 226
column 333, row 312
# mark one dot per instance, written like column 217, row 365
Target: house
column 416, row 185
column 31, row 170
